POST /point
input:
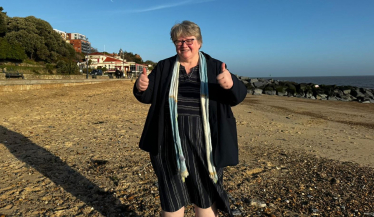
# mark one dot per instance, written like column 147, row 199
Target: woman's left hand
column 224, row 78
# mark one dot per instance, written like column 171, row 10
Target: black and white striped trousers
column 198, row 187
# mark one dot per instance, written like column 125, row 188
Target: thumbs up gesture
column 143, row 81
column 224, row 78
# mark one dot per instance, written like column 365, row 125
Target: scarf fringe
column 214, row 177
column 184, row 175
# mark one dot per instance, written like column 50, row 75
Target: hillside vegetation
column 30, row 40
column 30, row 45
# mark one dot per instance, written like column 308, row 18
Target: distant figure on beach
column 118, row 73
column 190, row 129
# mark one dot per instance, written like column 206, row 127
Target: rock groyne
column 258, row 86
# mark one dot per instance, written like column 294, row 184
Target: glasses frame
column 187, row 41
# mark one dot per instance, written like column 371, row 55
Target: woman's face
column 187, row 48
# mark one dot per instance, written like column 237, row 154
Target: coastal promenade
column 9, row 85
column 73, row 151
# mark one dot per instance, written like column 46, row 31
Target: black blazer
column 221, row 119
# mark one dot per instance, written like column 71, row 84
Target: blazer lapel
column 167, row 77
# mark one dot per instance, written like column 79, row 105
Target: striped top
column 189, row 102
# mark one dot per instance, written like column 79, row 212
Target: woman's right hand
column 143, row 81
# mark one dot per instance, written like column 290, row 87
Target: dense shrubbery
column 129, row 56
column 39, row 40
column 31, row 38
column 50, row 68
column 3, row 18
column 67, row 67
column 13, row 52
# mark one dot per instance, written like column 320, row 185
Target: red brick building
column 81, row 46
column 80, row 42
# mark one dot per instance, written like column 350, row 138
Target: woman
column 190, row 129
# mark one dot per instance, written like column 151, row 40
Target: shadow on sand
column 62, row 175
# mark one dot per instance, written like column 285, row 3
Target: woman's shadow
column 62, row 175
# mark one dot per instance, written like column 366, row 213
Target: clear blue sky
column 255, row 38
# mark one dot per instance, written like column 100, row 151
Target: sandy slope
column 337, row 130
column 73, row 151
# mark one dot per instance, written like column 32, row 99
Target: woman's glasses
column 188, row 42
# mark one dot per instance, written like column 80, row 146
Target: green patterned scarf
column 173, row 101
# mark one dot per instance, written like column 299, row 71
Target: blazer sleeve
column 235, row 95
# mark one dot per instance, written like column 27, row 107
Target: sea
column 365, row 81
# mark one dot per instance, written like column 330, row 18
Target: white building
column 72, row 36
column 112, row 62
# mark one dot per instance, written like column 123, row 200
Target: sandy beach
column 73, row 151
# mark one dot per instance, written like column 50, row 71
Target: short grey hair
column 186, row 29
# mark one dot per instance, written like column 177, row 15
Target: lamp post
column 121, row 55
column 123, row 68
column 86, row 67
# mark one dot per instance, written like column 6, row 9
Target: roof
column 110, row 59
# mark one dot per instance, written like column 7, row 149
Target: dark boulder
column 259, row 84
column 269, row 90
column 357, row 93
column 281, row 90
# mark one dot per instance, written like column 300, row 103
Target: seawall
column 51, row 77
column 33, row 82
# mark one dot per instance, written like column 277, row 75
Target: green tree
column 4, row 47
column 27, row 40
column 138, row 59
column 16, row 53
column 2, row 22
column 11, row 52
column 72, row 68
column 67, row 67
column 38, row 39
column 130, row 57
